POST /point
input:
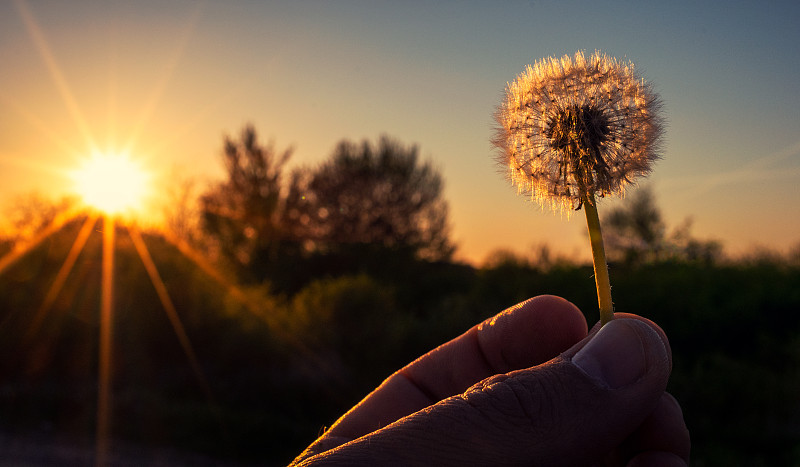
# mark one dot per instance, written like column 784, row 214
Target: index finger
column 522, row 336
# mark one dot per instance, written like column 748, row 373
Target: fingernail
column 615, row 356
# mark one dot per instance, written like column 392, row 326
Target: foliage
column 367, row 201
column 346, row 318
column 181, row 210
column 337, row 338
column 30, row 213
column 249, row 214
column 635, row 233
column 635, row 229
column 379, row 194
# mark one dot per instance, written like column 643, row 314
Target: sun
column 111, row 183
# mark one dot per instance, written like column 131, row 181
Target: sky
column 166, row 80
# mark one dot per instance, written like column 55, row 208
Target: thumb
column 569, row 411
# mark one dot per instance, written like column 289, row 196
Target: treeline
column 300, row 291
column 286, row 228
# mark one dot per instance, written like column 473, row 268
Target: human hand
column 500, row 394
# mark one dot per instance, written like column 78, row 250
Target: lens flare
column 112, row 183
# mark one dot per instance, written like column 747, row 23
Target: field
column 267, row 370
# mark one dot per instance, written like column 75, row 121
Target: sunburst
column 112, row 183
column 113, row 187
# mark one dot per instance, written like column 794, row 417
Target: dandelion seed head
column 575, row 126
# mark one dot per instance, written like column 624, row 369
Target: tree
column 379, row 194
column 26, row 215
column 182, row 210
column 249, row 215
column 684, row 246
column 636, row 233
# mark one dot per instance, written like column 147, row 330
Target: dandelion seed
column 572, row 129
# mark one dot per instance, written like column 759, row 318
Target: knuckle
column 525, row 400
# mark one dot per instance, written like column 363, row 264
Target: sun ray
column 24, row 163
column 169, row 308
column 42, row 128
column 103, row 438
column 190, row 125
column 61, row 277
column 236, row 293
column 160, row 87
column 21, row 249
column 200, row 261
column 55, row 71
column 111, row 103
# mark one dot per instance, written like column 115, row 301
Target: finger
column 522, row 336
column 525, row 335
column 664, row 430
column 569, row 411
column 574, row 349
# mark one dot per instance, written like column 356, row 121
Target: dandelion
column 574, row 129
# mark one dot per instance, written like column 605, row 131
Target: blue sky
column 173, row 76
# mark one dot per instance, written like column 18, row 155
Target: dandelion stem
column 599, row 259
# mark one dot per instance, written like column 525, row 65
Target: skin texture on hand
column 526, row 387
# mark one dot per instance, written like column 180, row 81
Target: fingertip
column 622, row 353
column 652, row 324
column 556, row 310
column 531, row 332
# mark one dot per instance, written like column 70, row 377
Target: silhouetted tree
column 27, row 214
column 249, row 215
column 182, row 217
column 636, row 233
column 381, row 195
column 684, row 246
